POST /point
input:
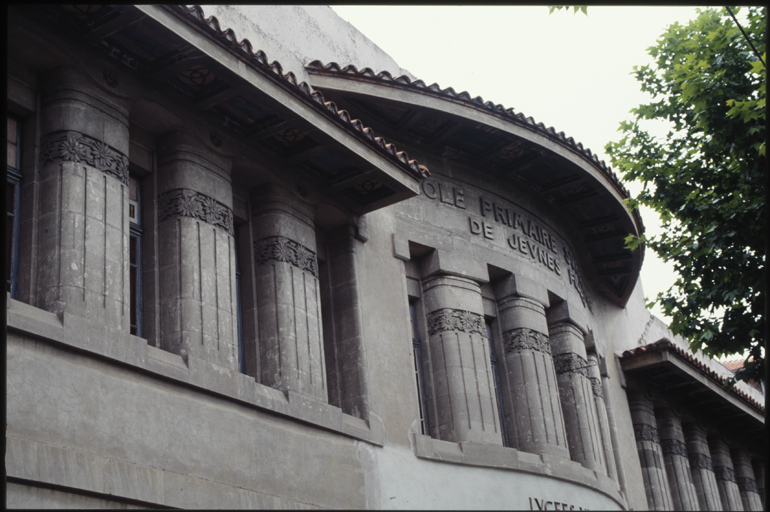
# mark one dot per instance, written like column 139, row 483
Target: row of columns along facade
column 74, row 251
column 688, row 466
column 553, row 399
column 551, row 389
column 77, row 253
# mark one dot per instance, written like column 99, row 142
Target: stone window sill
column 500, row 457
column 131, row 351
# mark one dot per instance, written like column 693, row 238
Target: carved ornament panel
column 522, row 338
column 72, row 146
column 570, row 362
column 286, row 250
column 182, row 202
column 456, row 320
column 644, row 432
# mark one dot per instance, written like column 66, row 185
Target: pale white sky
column 566, row 70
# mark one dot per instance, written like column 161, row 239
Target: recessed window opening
column 13, row 186
column 135, row 255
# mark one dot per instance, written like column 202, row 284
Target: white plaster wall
column 407, row 482
column 295, row 35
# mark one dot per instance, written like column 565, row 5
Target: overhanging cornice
column 206, row 71
column 679, row 374
column 513, row 147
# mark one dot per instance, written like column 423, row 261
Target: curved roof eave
column 418, row 95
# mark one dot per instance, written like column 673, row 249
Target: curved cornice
column 614, row 268
column 384, row 77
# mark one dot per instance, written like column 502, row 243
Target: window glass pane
column 132, row 189
column 12, row 129
column 8, row 249
column 11, row 152
column 133, row 283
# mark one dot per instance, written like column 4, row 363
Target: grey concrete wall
column 294, row 35
column 80, row 422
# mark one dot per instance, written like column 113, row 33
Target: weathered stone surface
column 650, row 452
column 536, row 421
column 701, row 467
column 745, row 478
column 462, row 373
column 725, row 473
column 675, row 456
column 576, row 394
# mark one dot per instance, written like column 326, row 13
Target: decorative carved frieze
column 182, row 202
column 456, row 320
column 644, row 432
column 746, row 484
column 280, row 248
column 724, row 473
column 674, row 447
column 700, row 461
column 596, row 387
column 522, row 338
column 570, row 362
column 72, row 146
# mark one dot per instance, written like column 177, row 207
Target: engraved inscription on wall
column 494, row 219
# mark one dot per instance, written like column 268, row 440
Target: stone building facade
column 234, row 283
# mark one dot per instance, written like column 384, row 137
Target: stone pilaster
column 675, row 456
column 597, row 388
column 197, row 264
column 725, row 474
column 537, row 419
column 577, row 397
column 288, row 295
column 650, row 452
column 759, row 473
column 746, row 480
column 701, row 468
column 462, row 371
column 83, row 219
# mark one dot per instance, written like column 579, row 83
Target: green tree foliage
column 706, row 178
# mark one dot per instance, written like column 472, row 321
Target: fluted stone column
column 197, row 297
column 288, row 295
column 576, row 394
column 538, row 422
column 594, row 375
column 83, row 225
column 759, row 473
column 462, row 371
column 725, row 474
column 746, row 480
column 675, row 456
column 701, row 468
column 650, row 452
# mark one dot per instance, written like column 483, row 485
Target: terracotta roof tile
column 303, row 89
column 333, row 68
column 665, row 345
column 733, row 364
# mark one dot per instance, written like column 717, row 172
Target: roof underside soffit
column 509, row 146
column 169, row 49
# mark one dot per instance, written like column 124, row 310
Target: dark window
column 495, row 375
column 135, row 254
column 417, row 347
column 238, row 303
column 13, row 185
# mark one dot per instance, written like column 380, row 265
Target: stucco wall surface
column 78, row 422
column 295, row 35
